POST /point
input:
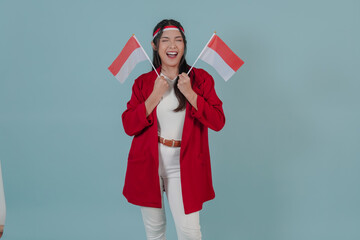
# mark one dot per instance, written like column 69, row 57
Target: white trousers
column 187, row 225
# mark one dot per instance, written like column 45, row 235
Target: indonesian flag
column 219, row 56
column 131, row 55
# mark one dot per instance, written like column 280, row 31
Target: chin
column 171, row 64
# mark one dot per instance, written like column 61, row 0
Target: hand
column 185, row 88
column 184, row 85
column 160, row 86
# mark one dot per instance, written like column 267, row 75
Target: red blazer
column 142, row 186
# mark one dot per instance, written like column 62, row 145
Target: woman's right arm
column 138, row 116
column 160, row 87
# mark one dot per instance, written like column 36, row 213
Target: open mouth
column 171, row 54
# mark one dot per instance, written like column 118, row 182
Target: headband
column 167, row 28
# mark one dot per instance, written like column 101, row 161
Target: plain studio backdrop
column 285, row 167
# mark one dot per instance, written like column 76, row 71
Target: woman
column 169, row 117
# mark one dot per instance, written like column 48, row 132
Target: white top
column 170, row 123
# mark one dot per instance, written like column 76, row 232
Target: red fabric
column 142, row 185
column 124, row 55
column 225, row 53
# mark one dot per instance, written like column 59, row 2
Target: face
column 171, row 48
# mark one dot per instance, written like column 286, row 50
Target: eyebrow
column 169, row 38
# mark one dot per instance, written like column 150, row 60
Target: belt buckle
column 173, row 142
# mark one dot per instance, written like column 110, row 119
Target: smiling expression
column 171, row 48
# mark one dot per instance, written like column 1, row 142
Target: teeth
column 171, row 53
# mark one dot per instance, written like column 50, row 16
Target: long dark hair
column 183, row 67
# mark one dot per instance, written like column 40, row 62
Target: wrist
column 191, row 96
column 155, row 97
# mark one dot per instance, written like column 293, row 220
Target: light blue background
column 285, row 167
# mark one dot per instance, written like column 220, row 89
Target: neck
column 170, row 72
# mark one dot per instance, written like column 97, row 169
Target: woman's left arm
column 207, row 108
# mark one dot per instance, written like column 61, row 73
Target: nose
column 172, row 44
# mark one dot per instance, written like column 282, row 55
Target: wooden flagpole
column 146, row 55
column 201, row 53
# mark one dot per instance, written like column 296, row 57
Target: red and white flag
column 132, row 54
column 217, row 54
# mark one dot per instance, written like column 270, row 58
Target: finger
column 163, row 81
column 182, row 75
column 181, row 81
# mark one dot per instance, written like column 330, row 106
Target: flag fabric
column 129, row 57
column 219, row 56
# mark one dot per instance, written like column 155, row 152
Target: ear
column 153, row 46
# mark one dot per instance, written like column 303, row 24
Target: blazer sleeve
column 210, row 111
column 134, row 117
